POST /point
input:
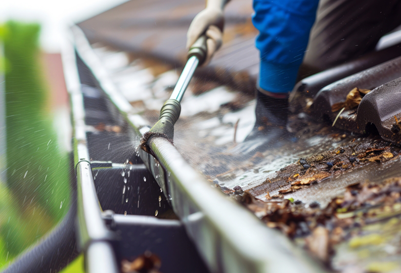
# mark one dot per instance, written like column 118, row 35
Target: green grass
column 37, row 171
column 76, row 266
column 36, row 194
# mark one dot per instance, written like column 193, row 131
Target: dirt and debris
column 268, row 182
column 319, row 167
column 108, row 128
column 318, row 243
column 351, row 219
column 145, row 263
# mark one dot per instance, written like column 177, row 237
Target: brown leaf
column 309, row 179
column 285, row 191
column 387, row 155
column 337, row 107
column 364, row 91
column 353, row 99
column 277, row 196
column 318, row 243
column 147, row 262
column 375, row 158
column 100, row 126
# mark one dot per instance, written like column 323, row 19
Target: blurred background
column 34, row 136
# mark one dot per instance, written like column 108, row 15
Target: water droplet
column 161, row 190
column 25, row 174
column 125, row 180
column 126, row 200
column 125, row 212
column 123, row 173
column 124, row 190
column 156, row 212
column 61, row 204
column 144, row 179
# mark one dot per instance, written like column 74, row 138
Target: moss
column 372, row 239
column 381, row 267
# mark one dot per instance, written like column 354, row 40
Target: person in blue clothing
column 294, row 32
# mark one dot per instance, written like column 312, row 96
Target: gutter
column 228, row 237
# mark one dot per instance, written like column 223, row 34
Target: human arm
column 284, row 27
column 210, row 22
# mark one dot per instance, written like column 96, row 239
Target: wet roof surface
column 204, row 135
column 160, row 30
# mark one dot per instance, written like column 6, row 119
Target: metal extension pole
column 171, row 109
column 184, row 79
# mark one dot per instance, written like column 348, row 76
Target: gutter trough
column 228, row 237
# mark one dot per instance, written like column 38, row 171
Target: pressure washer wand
column 171, row 109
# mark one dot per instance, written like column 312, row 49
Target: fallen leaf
column 285, row 191
column 388, row 155
column 375, row 158
column 337, row 106
column 147, row 262
column 318, row 243
column 353, row 99
column 116, row 129
column 277, row 196
column 309, row 179
column 100, row 126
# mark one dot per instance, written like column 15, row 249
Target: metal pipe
column 93, row 233
column 185, row 78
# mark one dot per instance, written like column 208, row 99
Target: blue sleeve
column 284, row 27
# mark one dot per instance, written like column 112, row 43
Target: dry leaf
column 388, row 155
column 309, row 179
column 363, row 91
column 352, row 100
column 375, row 158
column 285, row 191
column 337, row 107
column 147, row 262
column 318, row 243
column 277, row 196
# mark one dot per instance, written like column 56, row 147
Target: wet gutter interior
column 230, row 238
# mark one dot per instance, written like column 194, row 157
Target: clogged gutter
column 270, row 183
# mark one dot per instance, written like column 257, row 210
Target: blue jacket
column 284, row 27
